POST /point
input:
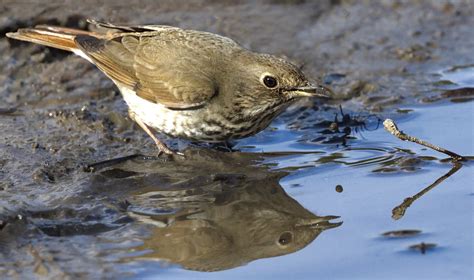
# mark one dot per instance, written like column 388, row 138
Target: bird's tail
column 51, row 36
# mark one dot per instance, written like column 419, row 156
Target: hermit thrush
column 185, row 83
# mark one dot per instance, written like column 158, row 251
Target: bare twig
column 391, row 127
column 111, row 162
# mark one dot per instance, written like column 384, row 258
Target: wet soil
column 212, row 211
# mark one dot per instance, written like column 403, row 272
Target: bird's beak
column 321, row 223
column 311, row 91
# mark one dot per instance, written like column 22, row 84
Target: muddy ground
column 58, row 113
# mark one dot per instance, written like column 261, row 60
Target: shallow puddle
column 441, row 216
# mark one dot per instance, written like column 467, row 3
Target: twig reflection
column 399, row 211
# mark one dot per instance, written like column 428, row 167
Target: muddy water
column 324, row 192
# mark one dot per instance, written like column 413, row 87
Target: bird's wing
column 173, row 67
column 129, row 28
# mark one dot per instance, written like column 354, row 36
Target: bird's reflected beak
column 321, row 223
column 311, row 91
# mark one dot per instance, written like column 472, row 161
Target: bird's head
column 265, row 83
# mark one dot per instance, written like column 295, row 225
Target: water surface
column 357, row 248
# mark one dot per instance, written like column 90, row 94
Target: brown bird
column 184, row 83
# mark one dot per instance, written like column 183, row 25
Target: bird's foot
column 164, row 150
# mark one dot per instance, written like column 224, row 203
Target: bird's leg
column 228, row 145
column 161, row 146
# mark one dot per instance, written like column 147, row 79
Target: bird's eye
column 270, row 82
column 285, row 238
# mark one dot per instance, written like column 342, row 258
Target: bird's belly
column 193, row 124
column 188, row 124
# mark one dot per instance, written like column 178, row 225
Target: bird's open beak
column 321, row 223
column 311, row 91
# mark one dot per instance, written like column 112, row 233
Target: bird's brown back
column 173, row 67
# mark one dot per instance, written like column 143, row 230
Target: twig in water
column 107, row 163
column 391, row 127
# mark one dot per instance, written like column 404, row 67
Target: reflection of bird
column 185, row 83
column 257, row 220
column 211, row 221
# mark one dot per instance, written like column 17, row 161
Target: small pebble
column 402, row 233
column 423, row 247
